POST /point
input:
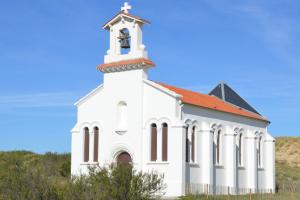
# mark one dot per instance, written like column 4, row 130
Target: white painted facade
column 126, row 105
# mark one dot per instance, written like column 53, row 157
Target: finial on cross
column 126, row 7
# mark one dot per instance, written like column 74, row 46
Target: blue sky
column 49, row 51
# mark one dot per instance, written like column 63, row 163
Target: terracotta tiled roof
column 141, row 61
column 211, row 102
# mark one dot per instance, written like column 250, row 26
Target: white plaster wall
column 245, row 176
column 101, row 108
column 146, row 105
column 150, row 103
column 160, row 107
column 241, row 180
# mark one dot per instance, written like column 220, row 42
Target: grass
column 279, row 196
column 286, row 173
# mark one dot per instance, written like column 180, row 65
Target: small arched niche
column 122, row 117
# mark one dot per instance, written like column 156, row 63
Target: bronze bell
column 124, row 39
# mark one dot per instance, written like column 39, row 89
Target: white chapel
column 214, row 143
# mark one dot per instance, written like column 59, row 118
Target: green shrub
column 65, row 168
column 28, row 176
column 117, row 182
column 21, row 183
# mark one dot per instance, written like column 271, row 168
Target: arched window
column 86, row 148
column 218, row 147
column 164, row 142
column 96, row 143
column 187, row 148
column 193, row 144
column 240, row 149
column 153, row 142
column 259, row 151
column 122, row 116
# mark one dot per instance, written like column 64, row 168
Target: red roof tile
column 211, row 102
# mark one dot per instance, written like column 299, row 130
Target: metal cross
column 126, row 7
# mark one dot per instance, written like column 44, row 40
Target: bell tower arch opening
column 124, row 39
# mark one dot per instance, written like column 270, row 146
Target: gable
column 89, row 95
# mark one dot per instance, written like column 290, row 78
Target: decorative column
column 177, row 160
column 206, row 157
column 230, row 159
column 269, row 163
column 251, row 164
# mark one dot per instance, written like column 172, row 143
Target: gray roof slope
column 226, row 93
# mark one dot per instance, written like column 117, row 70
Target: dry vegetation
column 288, row 151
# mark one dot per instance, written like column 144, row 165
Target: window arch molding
column 194, row 142
column 119, row 148
column 256, row 134
column 164, row 120
column 96, row 124
column 85, row 124
column 196, row 124
column 158, row 122
column 188, row 125
column 149, row 122
column 188, row 122
column 240, row 135
column 213, row 128
column 236, row 130
column 260, row 149
column 218, row 132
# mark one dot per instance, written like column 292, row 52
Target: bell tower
column 126, row 49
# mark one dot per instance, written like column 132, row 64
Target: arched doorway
column 124, row 158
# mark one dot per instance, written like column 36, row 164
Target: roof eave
column 123, row 14
column 235, row 114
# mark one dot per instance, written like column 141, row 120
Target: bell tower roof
column 118, row 17
column 126, row 49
